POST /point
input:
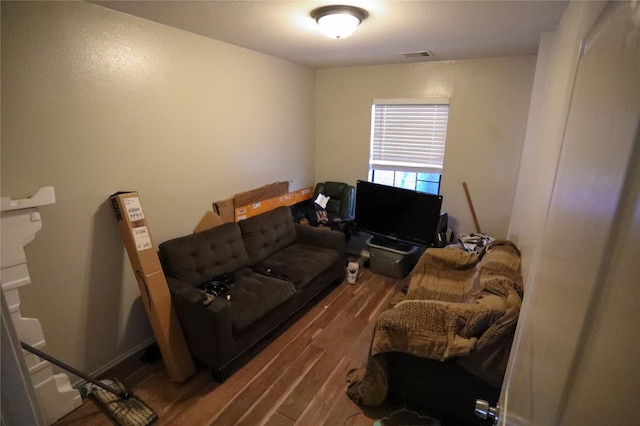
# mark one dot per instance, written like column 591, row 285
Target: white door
column 576, row 356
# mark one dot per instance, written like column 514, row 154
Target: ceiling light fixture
column 339, row 21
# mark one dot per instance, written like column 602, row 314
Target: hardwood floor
column 296, row 379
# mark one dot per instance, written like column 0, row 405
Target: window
column 407, row 143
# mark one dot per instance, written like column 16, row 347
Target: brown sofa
column 277, row 266
column 445, row 340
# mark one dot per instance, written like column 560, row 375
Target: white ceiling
column 447, row 29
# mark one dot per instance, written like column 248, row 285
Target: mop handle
column 123, row 395
column 473, row 212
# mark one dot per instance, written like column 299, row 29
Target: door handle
column 484, row 411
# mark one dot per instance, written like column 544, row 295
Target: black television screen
column 397, row 213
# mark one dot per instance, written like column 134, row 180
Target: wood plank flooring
column 297, row 379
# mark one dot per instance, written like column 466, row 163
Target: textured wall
column 96, row 101
column 489, row 100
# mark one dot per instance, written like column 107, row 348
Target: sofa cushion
column 298, row 263
column 254, row 295
column 196, row 258
column 267, row 233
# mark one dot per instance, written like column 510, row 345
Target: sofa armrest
column 325, row 238
column 207, row 328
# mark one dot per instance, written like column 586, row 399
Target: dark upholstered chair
column 341, row 203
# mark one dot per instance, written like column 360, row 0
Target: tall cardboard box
column 153, row 285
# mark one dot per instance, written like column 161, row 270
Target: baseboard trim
column 123, row 365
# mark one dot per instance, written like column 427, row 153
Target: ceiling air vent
column 417, row 55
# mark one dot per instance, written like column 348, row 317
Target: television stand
column 390, row 244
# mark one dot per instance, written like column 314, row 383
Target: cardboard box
column 289, row 199
column 258, row 194
column 226, row 208
column 152, row 285
column 209, row 220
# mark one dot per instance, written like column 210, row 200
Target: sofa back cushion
column 267, row 233
column 499, row 271
column 196, row 258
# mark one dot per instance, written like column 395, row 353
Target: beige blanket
column 458, row 305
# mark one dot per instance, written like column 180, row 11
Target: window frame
column 430, row 159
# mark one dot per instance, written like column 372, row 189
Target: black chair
column 341, row 205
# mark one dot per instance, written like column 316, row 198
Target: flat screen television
column 397, row 214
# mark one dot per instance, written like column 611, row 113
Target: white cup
column 352, row 272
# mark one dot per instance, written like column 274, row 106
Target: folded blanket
column 458, row 304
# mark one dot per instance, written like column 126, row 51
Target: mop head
column 126, row 412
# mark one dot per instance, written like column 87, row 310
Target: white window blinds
column 409, row 134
